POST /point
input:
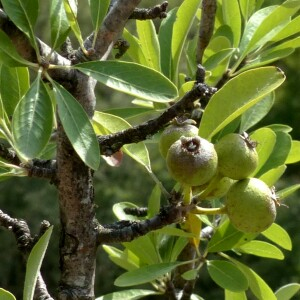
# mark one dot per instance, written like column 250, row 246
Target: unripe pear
column 173, row 132
column 192, row 161
column 251, row 205
column 237, row 156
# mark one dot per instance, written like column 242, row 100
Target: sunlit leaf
column 229, row 295
column 154, row 201
column 98, row 11
column 294, row 154
column 287, row 291
column 32, row 121
column 287, row 191
column 34, row 263
column 279, row 236
column 145, row 274
column 236, row 96
column 273, row 175
column 227, row 275
column 77, row 126
column 131, row 78
column 133, row 294
column 6, row 295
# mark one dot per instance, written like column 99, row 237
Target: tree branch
column 126, row 231
column 209, row 8
column 25, row 243
column 111, row 143
column 158, row 11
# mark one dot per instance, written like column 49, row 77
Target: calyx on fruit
column 251, row 205
column 237, row 156
column 173, row 132
column 192, row 161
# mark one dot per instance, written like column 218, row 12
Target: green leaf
column 149, row 44
column 229, row 295
column 154, row 201
column 77, row 126
column 6, row 295
column 273, row 175
column 262, row 249
column 254, row 114
column 118, row 210
column 32, row 120
column 59, row 23
column 170, row 230
column 279, row 236
column 107, row 123
column 124, row 259
column 294, row 154
column 129, row 112
column 179, row 245
column 292, row 28
column 11, row 93
column 165, row 35
column 145, row 274
column 190, row 274
column 257, row 285
column 266, row 140
column 265, row 24
column 133, row 294
column 236, row 96
column 184, row 19
column 129, row 78
column 280, row 152
column 98, row 11
column 280, row 127
column 227, row 275
column 23, row 14
column 232, row 18
column 287, row 191
column 226, row 237
column 9, row 55
column 247, row 7
column 71, row 13
column 287, row 291
column 34, row 263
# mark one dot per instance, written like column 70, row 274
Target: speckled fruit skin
column 237, row 156
column 250, row 205
column 172, row 133
column 192, row 161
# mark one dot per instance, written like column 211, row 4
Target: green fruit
column 237, row 156
column 192, row 161
column 173, row 132
column 251, row 205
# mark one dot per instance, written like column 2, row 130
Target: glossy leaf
column 236, row 96
column 257, row 285
column 227, row 275
column 294, row 154
column 227, row 237
column 23, row 14
column 124, row 259
column 9, row 55
column 32, row 121
column 265, row 139
column 6, row 295
column 273, row 175
column 59, row 23
column 145, row 274
column 132, row 79
column 280, row 152
column 232, row 18
column 34, row 263
column 71, row 13
column 229, row 295
column 98, row 11
column 133, row 294
column 279, row 236
column 149, row 43
column 287, row 291
column 11, row 93
column 165, row 41
column 111, row 124
column 262, row 249
column 254, row 114
column 77, row 126
column 184, row 19
column 292, row 28
column 288, row 191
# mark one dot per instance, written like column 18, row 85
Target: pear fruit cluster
column 220, row 170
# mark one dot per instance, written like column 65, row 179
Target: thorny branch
column 109, row 144
column 25, row 242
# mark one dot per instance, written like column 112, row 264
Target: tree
column 50, row 129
